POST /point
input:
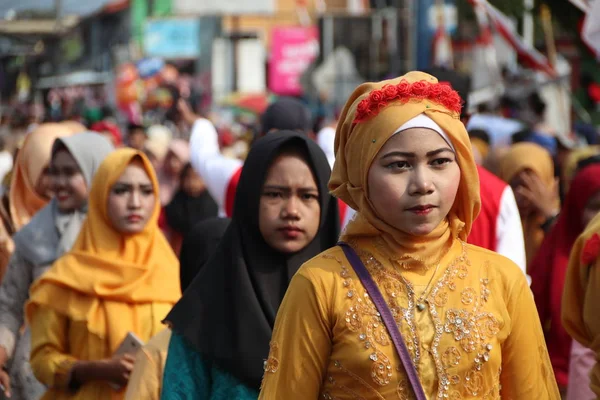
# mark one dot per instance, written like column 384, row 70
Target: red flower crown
column 403, row 92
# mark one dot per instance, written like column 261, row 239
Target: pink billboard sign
column 293, row 49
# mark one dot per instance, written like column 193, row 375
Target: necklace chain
column 421, row 298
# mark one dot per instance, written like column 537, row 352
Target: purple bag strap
column 386, row 316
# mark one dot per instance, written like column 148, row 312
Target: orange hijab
column 530, row 156
column 370, row 117
column 33, row 158
column 107, row 274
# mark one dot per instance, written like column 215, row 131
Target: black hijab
column 228, row 312
column 197, row 247
column 184, row 211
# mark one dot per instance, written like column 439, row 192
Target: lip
column 134, row 218
column 422, row 209
column 290, row 232
column 62, row 196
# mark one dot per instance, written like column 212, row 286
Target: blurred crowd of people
column 456, row 218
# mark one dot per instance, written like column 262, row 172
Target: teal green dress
column 188, row 377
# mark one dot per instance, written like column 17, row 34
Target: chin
column 290, row 247
column 131, row 230
column 420, row 229
column 65, row 207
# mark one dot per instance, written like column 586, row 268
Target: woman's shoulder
column 325, row 265
column 495, row 266
column 188, row 369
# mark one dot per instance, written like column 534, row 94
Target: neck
column 405, row 250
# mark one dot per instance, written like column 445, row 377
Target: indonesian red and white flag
column 442, row 49
column 501, row 24
column 591, row 27
column 443, row 55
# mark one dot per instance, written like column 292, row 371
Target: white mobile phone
column 130, row 345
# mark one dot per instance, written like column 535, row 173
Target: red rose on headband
column 403, row 89
column 591, row 250
column 436, row 91
column 363, row 107
column 420, row 89
column 376, row 96
column 390, row 91
column 404, row 92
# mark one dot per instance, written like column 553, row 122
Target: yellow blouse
column 478, row 338
column 57, row 343
column 146, row 379
column 581, row 297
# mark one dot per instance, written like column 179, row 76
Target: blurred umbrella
column 149, row 67
column 252, row 103
column 126, row 74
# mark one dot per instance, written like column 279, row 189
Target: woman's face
column 137, row 139
column 592, row 208
column 192, row 183
column 173, row 164
column 43, row 186
column 131, row 200
column 524, row 205
column 290, row 211
column 68, row 183
column 413, row 181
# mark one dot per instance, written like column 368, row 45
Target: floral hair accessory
column 403, row 92
column 591, row 250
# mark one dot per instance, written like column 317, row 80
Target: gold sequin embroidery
column 461, row 324
column 451, row 357
column 467, row 297
column 474, row 382
column 271, row 364
column 404, row 391
column 441, row 299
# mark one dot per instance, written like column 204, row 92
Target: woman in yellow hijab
column 30, row 187
column 580, row 315
column 528, row 168
column 572, row 164
column 466, row 315
column 121, row 276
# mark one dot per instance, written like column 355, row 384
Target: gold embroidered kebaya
column 470, row 324
column 467, row 343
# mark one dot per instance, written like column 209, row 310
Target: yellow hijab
column 107, row 274
column 33, row 158
column 523, row 156
column 530, row 156
column 574, row 157
column 367, row 121
column 581, row 295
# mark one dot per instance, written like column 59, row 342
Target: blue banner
column 172, row 38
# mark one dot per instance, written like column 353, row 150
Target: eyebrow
column 413, row 155
column 287, row 188
column 130, row 185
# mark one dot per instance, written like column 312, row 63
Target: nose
column 135, row 200
column 290, row 208
column 58, row 181
column 421, row 182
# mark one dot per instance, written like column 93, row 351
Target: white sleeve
column 206, row 158
column 326, row 140
column 350, row 212
column 509, row 231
